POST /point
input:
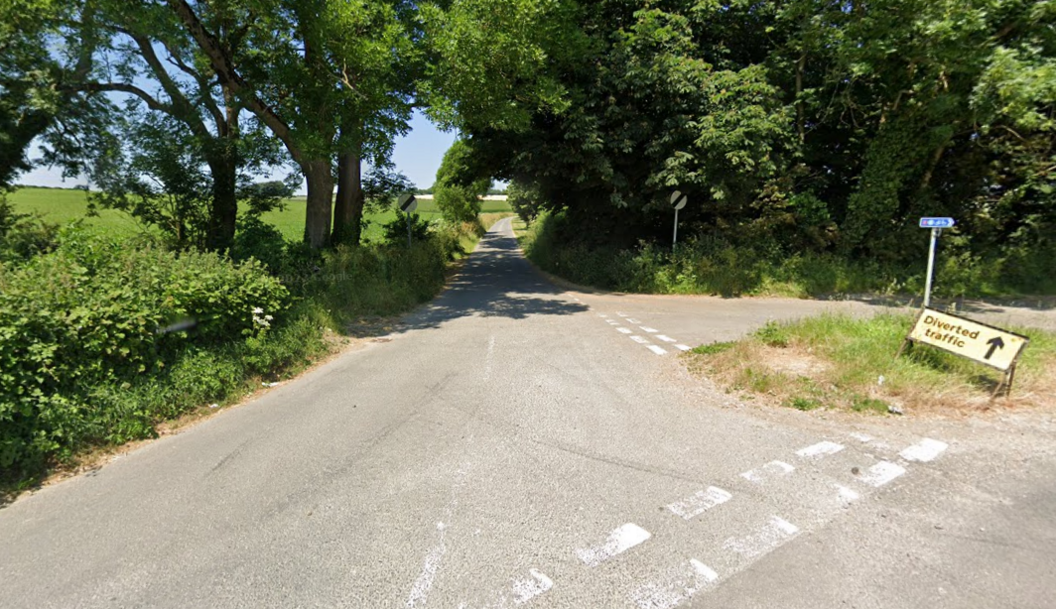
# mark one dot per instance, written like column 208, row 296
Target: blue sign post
column 936, row 225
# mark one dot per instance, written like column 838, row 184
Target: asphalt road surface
column 515, row 444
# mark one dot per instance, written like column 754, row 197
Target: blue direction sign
column 937, row 222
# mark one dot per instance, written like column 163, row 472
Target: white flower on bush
column 260, row 319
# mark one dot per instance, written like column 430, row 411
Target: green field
column 61, row 206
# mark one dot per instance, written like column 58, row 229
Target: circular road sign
column 408, row 203
column 679, row 200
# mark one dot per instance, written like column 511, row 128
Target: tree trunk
column 348, row 210
column 223, row 210
column 319, row 203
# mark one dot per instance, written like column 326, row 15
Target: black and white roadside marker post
column 408, row 204
column 936, row 225
column 679, row 200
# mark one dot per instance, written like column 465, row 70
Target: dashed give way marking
column 882, row 473
column 620, row 540
column 820, row 449
column 657, row 350
column 924, row 451
column 773, row 534
column 772, row 469
column 675, row 587
column 700, row 502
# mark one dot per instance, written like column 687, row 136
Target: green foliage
column 827, row 131
column 97, row 313
column 713, row 348
column 772, row 334
column 804, row 404
column 23, row 236
column 396, row 231
column 458, row 185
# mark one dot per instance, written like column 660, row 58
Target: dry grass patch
column 839, row 362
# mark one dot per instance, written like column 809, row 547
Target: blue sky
column 417, row 155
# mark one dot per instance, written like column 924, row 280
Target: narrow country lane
column 510, row 446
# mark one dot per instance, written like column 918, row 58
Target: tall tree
column 300, row 74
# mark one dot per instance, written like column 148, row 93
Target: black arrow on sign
column 995, row 344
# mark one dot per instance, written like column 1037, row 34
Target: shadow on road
column 496, row 281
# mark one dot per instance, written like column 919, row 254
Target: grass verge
column 838, row 362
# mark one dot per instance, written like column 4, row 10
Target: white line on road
column 658, row 350
column 666, row 339
column 639, row 340
column 683, row 347
column 624, row 330
column 820, row 449
column 612, row 322
column 526, row 589
column 619, row 541
column 772, row 469
column 621, row 314
column 847, row 496
column 924, row 451
column 861, row 437
column 603, row 315
column 422, row 585
column 700, row 502
column 648, row 329
column 676, row 587
column 772, row 535
column 633, row 321
column 522, row 590
column 882, row 473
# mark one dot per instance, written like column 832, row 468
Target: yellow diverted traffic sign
column 961, row 336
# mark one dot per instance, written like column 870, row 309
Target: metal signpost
column 936, row 225
column 679, row 200
column 408, row 204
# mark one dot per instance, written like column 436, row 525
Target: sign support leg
column 408, row 230
column 674, row 239
column 935, row 232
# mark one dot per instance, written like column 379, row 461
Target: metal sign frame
column 1009, row 375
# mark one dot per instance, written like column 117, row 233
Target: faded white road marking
column 633, row 321
column 882, row 473
column 488, row 357
column 772, row 469
column 422, row 585
column 613, row 322
column 847, row 496
column 666, row 339
column 648, row 329
column 775, row 533
column 621, row 314
column 676, row 587
column 820, row 449
column 526, row 589
column 603, row 315
column 522, row 591
column 700, row 502
column 424, row 582
column 658, row 350
column 683, row 347
column 620, row 540
column 624, row 330
column 861, row 437
column 924, row 451
column 639, row 340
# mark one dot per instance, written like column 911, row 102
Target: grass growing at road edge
column 844, row 363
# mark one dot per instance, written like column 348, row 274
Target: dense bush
column 102, row 340
column 96, row 314
column 760, row 266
